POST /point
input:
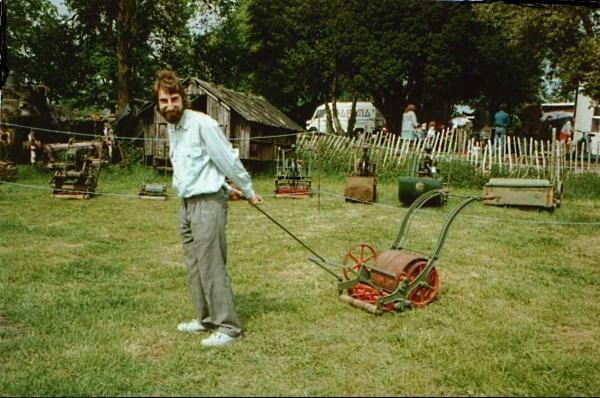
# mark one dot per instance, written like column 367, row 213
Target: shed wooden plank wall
column 157, row 131
column 221, row 113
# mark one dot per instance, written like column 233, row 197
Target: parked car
column 368, row 117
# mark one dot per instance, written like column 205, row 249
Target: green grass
column 91, row 292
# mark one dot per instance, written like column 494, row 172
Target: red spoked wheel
column 421, row 296
column 359, row 255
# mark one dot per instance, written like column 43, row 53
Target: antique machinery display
column 361, row 183
column 425, row 178
column 525, row 192
column 292, row 174
column 76, row 166
column 8, row 170
column 156, row 191
column 29, row 105
column 394, row 280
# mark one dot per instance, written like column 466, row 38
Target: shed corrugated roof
column 253, row 108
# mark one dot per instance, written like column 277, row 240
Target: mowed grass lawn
column 91, row 292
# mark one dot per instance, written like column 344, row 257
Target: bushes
column 134, row 154
column 584, row 186
column 461, row 174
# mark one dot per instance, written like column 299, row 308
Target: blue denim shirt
column 202, row 157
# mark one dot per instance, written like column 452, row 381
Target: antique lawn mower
column 425, row 178
column 361, row 183
column 292, row 179
column 394, row 280
column 154, row 191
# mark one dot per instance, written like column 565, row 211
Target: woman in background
column 409, row 123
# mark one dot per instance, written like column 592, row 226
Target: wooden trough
column 522, row 192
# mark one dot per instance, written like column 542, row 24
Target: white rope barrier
column 492, row 219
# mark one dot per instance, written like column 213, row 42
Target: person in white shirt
column 202, row 158
column 409, row 123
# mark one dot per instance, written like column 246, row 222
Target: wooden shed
column 251, row 123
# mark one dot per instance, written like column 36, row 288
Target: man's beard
column 173, row 116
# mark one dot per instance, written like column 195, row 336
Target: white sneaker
column 191, row 327
column 218, row 339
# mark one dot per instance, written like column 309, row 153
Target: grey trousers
column 202, row 221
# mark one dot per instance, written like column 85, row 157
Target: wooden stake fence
column 519, row 156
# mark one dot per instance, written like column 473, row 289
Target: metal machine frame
column 292, row 179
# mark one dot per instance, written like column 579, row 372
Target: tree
column 432, row 54
column 564, row 36
column 128, row 40
column 40, row 46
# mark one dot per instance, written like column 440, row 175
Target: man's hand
column 255, row 200
column 235, row 194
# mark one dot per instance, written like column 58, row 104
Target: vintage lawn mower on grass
column 361, row 183
column 293, row 178
column 394, row 280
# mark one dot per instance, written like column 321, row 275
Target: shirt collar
column 184, row 122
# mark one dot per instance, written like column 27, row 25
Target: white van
column 368, row 118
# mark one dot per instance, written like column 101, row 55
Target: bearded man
column 202, row 157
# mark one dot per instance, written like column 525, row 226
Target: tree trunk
column 352, row 118
column 392, row 108
column 125, row 26
column 336, row 119
column 329, row 117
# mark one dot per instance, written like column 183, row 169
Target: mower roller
column 394, row 280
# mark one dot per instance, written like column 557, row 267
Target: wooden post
column 398, row 140
column 435, row 144
column 517, row 146
column 531, row 149
column 319, row 177
column 508, row 138
column 553, row 156
column 469, row 151
column 537, row 160
column 581, row 156
column 408, row 145
column 391, row 142
column 401, row 153
column 557, row 175
column 491, row 162
column 484, row 159
column 543, row 158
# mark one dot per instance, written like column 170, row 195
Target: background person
column 409, row 123
column 430, row 136
column 501, row 122
column 546, row 128
column 566, row 131
column 202, row 158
